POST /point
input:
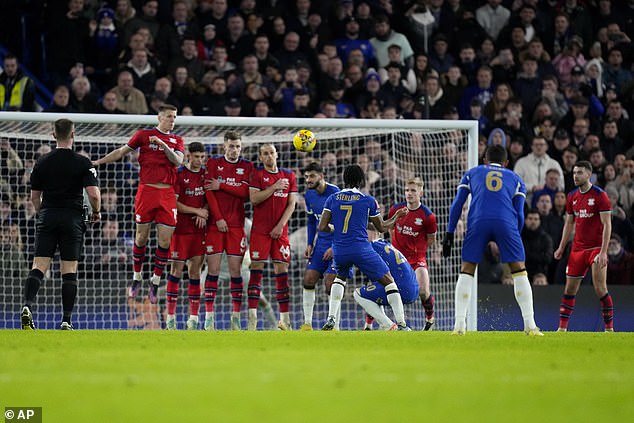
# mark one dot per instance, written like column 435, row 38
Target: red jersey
column 190, row 191
column 155, row 167
column 586, row 208
column 268, row 212
column 233, row 192
column 409, row 235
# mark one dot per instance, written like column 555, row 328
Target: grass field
column 159, row 376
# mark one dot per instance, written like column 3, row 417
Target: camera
column 615, row 36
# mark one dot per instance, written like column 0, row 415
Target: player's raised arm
column 385, row 225
column 114, row 155
column 174, row 156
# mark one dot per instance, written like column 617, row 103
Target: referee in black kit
column 57, row 185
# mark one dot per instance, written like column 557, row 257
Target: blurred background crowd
column 550, row 80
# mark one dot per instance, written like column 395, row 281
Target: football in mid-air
column 304, row 140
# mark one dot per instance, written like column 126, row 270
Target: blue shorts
column 374, row 291
column 322, row 266
column 505, row 235
column 364, row 257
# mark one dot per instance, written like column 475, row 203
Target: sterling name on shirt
column 348, row 197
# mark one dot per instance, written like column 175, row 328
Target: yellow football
column 304, row 140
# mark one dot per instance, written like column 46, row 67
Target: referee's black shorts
column 63, row 228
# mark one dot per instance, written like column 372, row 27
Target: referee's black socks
column 31, row 286
column 69, row 293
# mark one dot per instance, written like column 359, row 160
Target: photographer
column 57, row 185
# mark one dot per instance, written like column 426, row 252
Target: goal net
column 390, row 152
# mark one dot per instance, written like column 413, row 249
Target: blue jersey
column 496, row 194
column 496, row 212
column 314, row 207
column 350, row 210
column 401, row 271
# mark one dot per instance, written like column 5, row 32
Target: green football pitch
column 160, row 376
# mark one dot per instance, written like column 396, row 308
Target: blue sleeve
column 374, row 209
column 518, row 205
column 456, row 209
column 311, row 227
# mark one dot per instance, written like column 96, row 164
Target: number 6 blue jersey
column 496, row 212
column 494, row 193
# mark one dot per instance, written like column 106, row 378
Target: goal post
column 437, row 151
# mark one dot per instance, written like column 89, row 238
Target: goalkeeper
column 496, row 214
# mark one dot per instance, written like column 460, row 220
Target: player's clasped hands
column 327, row 254
column 212, row 185
column 281, row 185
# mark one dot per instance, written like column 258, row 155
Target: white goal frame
column 470, row 126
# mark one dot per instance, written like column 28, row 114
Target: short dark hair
column 62, row 129
column 496, row 154
column 353, row 176
column 232, row 135
column 196, row 147
column 165, row 107
column 584, row 164
column 313, row 167
column 534, row 210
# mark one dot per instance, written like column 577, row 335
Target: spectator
column 384, row 37
column 81, row 98
column 513, row 122
column 206, row 44
column 238, row 42
column 579, row 109
column 551, row 186
column 580, row 131
column 130, row 100
column 352, row 40
column 611, row 143
column 213, row 100
column 438, row 105
column 61, row 101
column 560, row 142
column 290, row 54
column 233, row 107
column 494, row 110
column 188, row 58
column 12, row 260
column 493, row 17
column 560, row 35
column 261, row 47
column 486, row 52
column 123, row 12
column 408, row 78
column 483, row 90
column 17, row 91
column 625, row 126
column 503, row 66
column 453, row 84
column 164, row 85
column 538, row 246
column 171, row 34
column 103, row 48
column 440, row 60
column 184, row 87
column 528, row 84
column 143, row 74
column 109, row 104
column 532, row 168
column 394, row 87
column 535, row 49
column 620, row 263
column 146, row 19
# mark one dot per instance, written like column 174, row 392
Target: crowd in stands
column 550, row 80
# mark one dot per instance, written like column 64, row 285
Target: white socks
column 394, row 298
column 156, row 280
column 336, row 295
column 524, row 298
column 462, row 296
column 374, row 310
column 308, row 301
column 137, row 276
